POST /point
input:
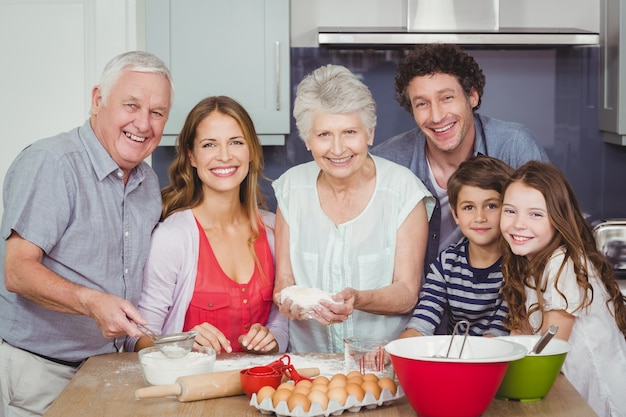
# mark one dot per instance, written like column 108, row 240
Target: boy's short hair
column 480, row 171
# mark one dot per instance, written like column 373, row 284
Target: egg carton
column 334, row 407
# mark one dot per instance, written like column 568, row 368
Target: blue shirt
column 471, row 294
column 66, row 195
column 510, row 142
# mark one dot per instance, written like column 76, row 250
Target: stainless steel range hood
column 468, row 22
column 334, row 36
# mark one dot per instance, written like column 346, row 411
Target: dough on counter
column 304, row 297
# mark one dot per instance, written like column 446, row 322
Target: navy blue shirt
column 471, row 294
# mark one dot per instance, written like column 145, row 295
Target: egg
column 321, row 380
column 373, row 387
column 353, row 374
column 338, row 381
column 370, row 377
column 388, row 383
column 297, row 399
column 281, row 394
column 304, row 383
column 319, row 397
column 338, row 394
column 356, row 391
column 355, row 379
column 265, row 392
column 338, row 377
column 302, row 389
column 320, row 387
column 286, row 385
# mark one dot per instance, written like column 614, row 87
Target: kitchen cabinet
column 238, row 48
column 612, row 91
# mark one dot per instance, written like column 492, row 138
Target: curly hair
column 573, row 234
column 434, row 58
column 185, row 189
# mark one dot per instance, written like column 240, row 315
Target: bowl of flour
column 158, row 369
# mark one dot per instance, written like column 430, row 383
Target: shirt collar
column 480, row 145
column 102, row 162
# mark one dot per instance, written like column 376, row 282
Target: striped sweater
column 471, row 294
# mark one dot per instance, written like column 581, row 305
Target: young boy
column 466, row 278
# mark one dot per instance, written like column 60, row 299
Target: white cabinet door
column 53, row 52
column 238, row 48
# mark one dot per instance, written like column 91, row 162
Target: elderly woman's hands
column 288, row 309
column 332, row 313
column 312, row 303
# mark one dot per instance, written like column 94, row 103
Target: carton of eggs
column 325, row 396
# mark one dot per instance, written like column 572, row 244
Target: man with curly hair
column 442, row 86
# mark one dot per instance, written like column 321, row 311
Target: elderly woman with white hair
column 348, row 223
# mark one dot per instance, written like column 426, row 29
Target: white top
column 358, row 253
column 596, row 364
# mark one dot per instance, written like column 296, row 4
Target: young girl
column 554, row 274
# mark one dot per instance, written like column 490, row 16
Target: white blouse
column 358, row 253
column 596, row 363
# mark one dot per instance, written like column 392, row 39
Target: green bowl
column 530, row 378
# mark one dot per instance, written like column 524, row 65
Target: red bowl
column 253, row 379
column 451, row 387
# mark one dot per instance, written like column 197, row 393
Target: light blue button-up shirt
column 67, row 196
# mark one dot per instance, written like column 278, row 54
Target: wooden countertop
column 105, row 386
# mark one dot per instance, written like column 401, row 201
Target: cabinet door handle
column 277, row 74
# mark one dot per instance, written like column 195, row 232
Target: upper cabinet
column 238, row 48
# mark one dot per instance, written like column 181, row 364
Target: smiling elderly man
column 79, row 209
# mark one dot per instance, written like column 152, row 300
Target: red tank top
column 226, row 304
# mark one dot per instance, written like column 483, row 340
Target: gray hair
column 138, row 61
column 332, row 89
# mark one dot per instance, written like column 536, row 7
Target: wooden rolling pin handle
column 158, row 391
column 205, row 386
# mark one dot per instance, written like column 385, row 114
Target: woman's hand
column 210, row 336
column 289, row 310
column 259, row 339
column 328, row 313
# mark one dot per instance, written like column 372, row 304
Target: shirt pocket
column 212, row 308
column 375, row 270
column 308, row 272
column 267, row 293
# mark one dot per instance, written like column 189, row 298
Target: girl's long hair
column 573, row 234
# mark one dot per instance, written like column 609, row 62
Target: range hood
column 372, row 37
column 470, row 22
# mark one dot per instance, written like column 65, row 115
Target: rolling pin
column 205, row 386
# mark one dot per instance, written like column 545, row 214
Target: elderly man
column 79, row 209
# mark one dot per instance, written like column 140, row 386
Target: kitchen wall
column 54, row 51
column 553, row 91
